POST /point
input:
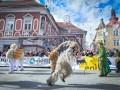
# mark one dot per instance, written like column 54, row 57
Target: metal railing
column 8, row 33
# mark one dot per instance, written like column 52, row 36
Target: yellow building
column 109, row 34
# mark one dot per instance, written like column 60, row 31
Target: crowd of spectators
column 32, row 53
column 3, row 53
column 41, row 53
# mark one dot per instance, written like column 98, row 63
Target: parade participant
column 102, row 60
column 63, row 65
column 13, row 54
column 53, row 56
column 19, row 63
column 117, row 59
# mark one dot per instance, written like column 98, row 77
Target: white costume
column 63, row 66
column 10, row 56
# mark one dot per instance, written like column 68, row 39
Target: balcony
column 8, row 33
column 27, row 33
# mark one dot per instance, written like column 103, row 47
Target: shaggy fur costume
column 59, row 50
column 53, row 56
column 63, row 65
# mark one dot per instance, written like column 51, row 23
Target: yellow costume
column 53, row 56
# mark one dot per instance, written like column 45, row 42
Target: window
column 116, row 33
column 10, row 19
column 42, row 26
column 116, row 42
column 27, row 25
column 100, row 34
column 78, row 39
column 9, row 25
column 49, row 29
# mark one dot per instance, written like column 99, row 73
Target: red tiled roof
column 67, row 26
column 111, row 23
column 19, row 3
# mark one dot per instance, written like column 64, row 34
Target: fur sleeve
column 9, row 54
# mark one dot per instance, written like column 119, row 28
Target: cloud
column 37, row 1
column 87, row 17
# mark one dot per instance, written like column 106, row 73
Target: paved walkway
column 35, row 79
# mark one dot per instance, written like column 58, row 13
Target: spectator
column 117, row 59
column 30, row 53
column 42, row 53
column 90, row 53
column 0, row 53
column 48, row 51
column 36, row 53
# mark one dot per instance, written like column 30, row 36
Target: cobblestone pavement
column 35, row 79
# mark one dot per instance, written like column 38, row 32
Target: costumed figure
column 103, row 62
column 63, row 64
column 19, row 63
column 53, row 56
column 14, row 54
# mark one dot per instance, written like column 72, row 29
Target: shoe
column 63, row 80
column 15, row 69
column 105, row 75
column 49, row 84
column 117, row 71
column 49, row 81
column 21, row 69
column 10, row 72
column 100, row 75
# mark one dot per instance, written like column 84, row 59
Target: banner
column 29, row 61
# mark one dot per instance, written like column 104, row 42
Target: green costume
column 102, row 60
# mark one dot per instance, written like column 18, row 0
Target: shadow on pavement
column 29, row 73
column 97, row 86
column 81, row 73
column 38, row 85
column 44, row 70
column 1, row 73
column 21, row 85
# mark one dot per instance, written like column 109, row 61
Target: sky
column 86, row 14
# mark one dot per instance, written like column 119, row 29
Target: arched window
column 27, row 25
column 10, row 19
column 49, row 29
column 42, row 25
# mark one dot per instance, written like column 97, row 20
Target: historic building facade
column 30, row 24
column 73, row 33
column 109, row 34
column 25, row 18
